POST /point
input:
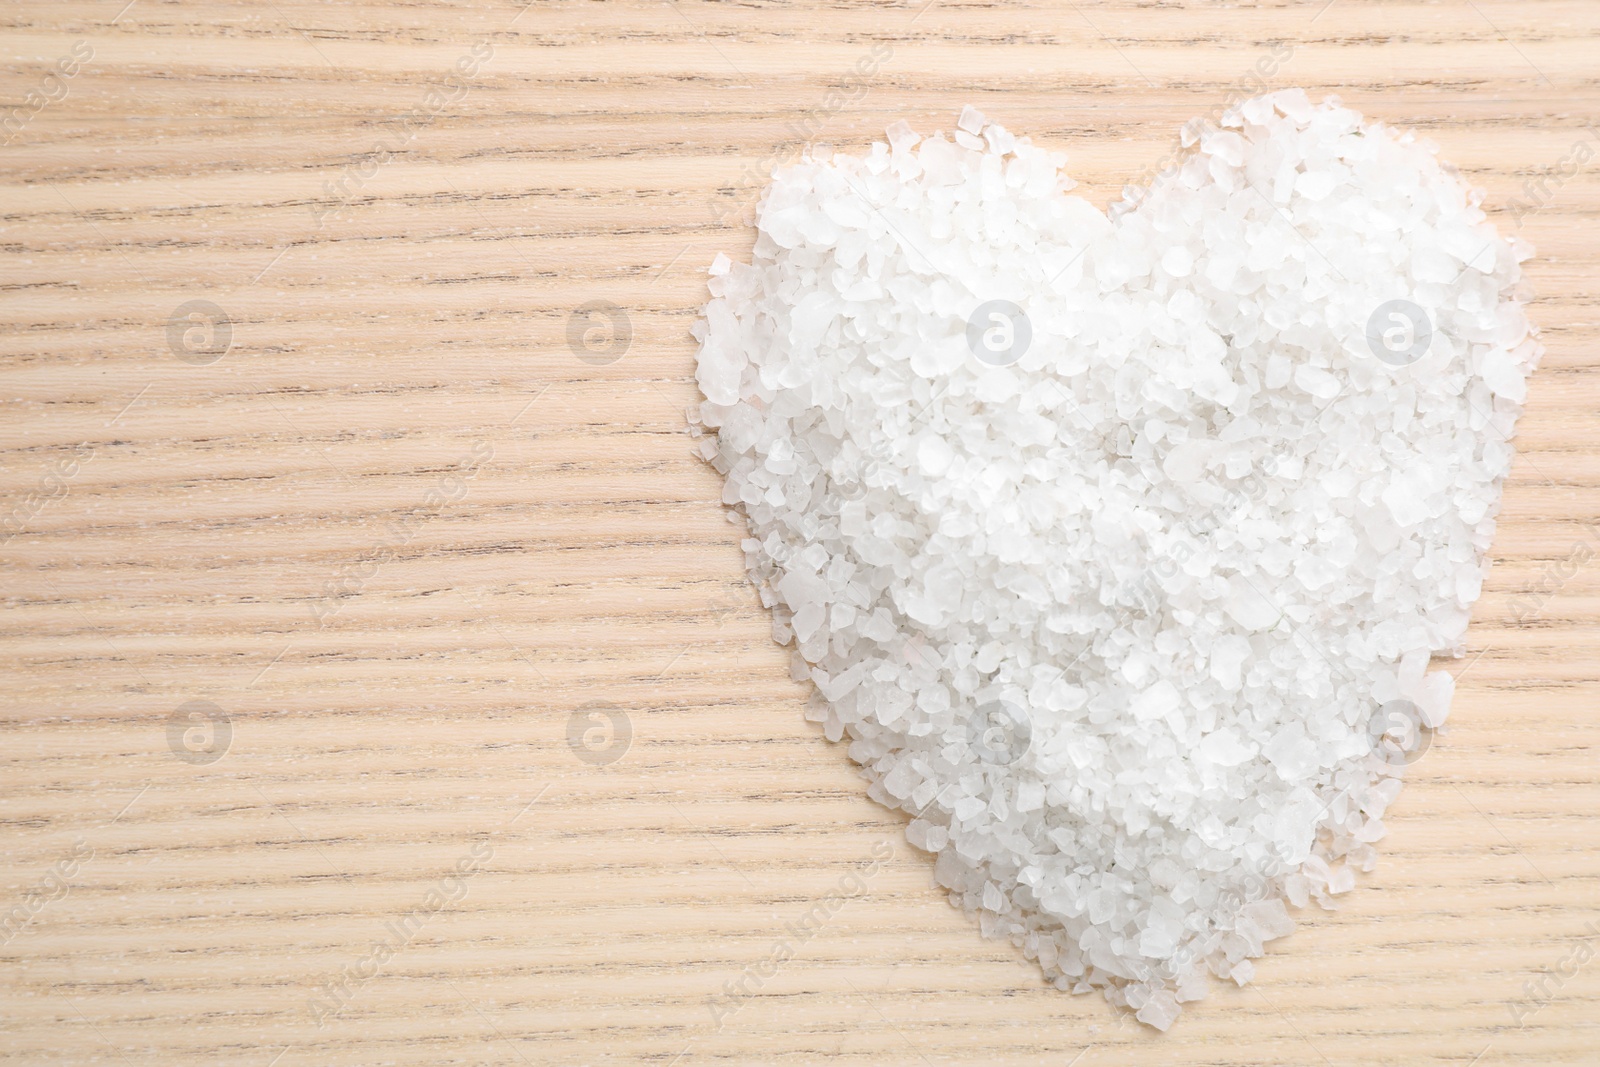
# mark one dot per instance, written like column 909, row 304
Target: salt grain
column 1106, row 591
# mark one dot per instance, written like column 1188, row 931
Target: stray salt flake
column 1111, row 616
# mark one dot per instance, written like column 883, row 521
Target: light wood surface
column 289, row 533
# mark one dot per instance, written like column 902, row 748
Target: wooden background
column 286, row 529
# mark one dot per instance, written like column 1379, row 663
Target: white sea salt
column 1106, row 591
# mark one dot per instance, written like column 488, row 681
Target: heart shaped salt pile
column 1119, row 545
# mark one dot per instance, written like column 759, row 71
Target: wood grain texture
column 290, row 533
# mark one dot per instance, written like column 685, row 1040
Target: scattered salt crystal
column 1105, row 538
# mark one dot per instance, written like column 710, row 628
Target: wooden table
column 382, row 682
